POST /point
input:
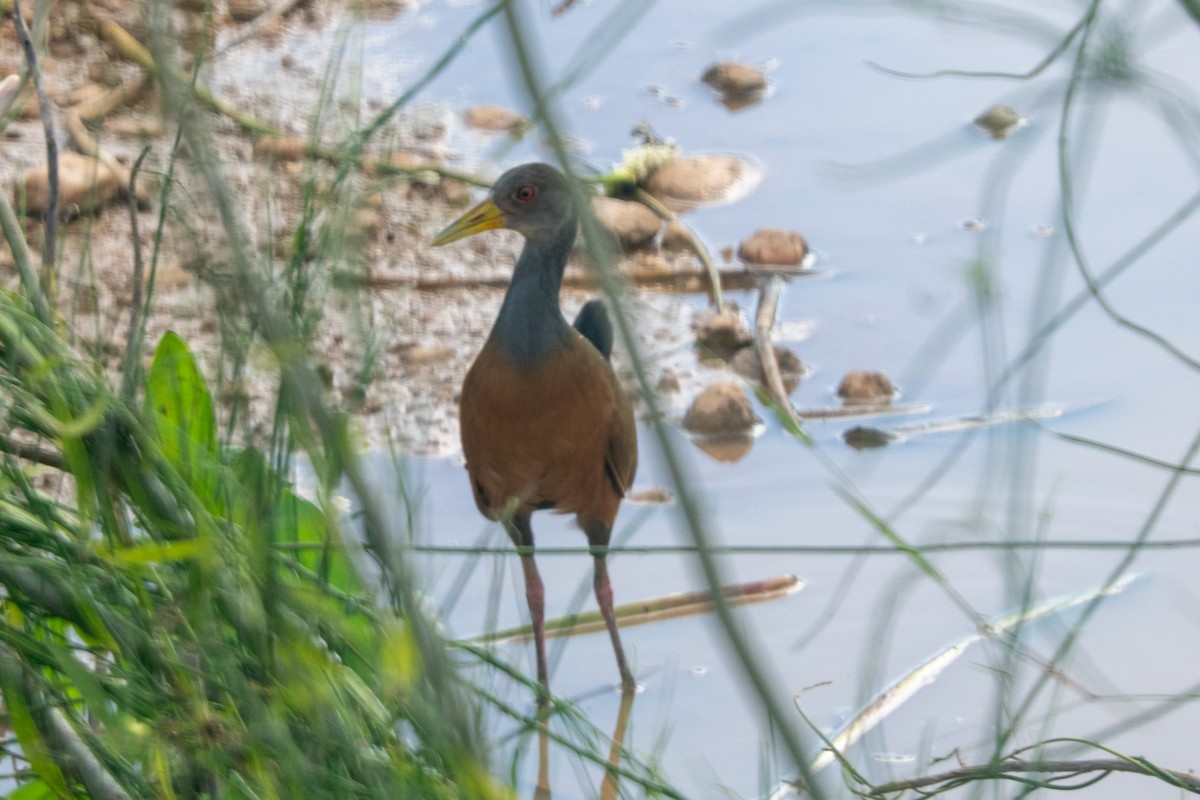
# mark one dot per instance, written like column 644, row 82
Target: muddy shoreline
column 391, row 353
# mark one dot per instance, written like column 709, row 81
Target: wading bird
column 544, row 422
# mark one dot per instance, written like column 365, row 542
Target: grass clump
column 159, row 637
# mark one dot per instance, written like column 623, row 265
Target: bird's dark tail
column 595, row 326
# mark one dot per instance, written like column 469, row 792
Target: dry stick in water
column 671, row 606
column 714, row 275
column 764, row 321
column 51, row 219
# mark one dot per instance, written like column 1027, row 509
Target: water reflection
column 611, row 784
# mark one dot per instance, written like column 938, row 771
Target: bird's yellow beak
column 483, row 217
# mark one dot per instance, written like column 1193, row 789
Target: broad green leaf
column 303, row 523
column 182, row 409
column 292, row 520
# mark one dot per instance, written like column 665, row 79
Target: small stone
column 686, row 182
column 245, row 10
column 651, row 496
column 676, row 238
column 632, row 224
column 366, row 222
column 492, row 118
column 170, row 277
column 281, row 148
column 747, row 364
column 427, row 353
column 1000, row 122
column 724, row 333
column 401, row 158
column 668, row 383
column 128, row 126
column 83, row 183
column 721, row 410
column 773, row 247
column 732, row 77
column 737, row 85
column 862, row 386
column 863, row 438
column 647, row 263
column 455, row 193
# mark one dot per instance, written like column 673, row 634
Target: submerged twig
column 671, row 606
column 967, row 423
column 860, row 410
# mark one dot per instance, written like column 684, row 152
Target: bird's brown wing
column 620, row 460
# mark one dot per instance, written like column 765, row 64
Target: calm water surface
column 900, row 300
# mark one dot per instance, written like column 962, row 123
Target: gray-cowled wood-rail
column 544, row 423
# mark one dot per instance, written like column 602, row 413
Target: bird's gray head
column 535, row 200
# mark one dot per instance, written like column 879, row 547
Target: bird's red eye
column 526, row 193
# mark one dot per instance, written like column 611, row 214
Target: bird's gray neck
column 530, row 325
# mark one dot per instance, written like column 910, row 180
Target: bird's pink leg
column 604, row 597
column 535, row 596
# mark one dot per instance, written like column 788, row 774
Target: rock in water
column 774, row 247
column 862, row 386
column 721, row 410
